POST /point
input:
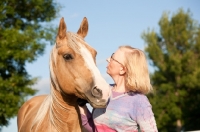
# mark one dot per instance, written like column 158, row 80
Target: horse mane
column 48, row 103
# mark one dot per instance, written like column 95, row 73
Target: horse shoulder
column 29, row 107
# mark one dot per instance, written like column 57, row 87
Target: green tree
column 174, row 53
column 23, row 37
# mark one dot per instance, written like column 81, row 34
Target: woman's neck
column 120, row 84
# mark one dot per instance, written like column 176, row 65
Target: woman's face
column 115, row 63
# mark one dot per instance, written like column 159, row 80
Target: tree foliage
column 23, row 37
column 174, row 53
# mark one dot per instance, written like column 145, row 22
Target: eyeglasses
column 115, row 59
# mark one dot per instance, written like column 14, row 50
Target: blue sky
column 111, row 24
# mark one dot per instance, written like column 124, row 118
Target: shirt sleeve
column 145, row 117
column 87, row 122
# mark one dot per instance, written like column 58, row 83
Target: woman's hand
column 82, row 106
column 83, row 110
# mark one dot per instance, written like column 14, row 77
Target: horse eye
column 67, row 57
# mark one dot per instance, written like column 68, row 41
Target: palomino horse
column 73, row 75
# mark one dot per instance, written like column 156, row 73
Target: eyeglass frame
column 116, row 60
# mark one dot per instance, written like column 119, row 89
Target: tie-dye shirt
column 124, row 113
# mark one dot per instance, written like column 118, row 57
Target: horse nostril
column 96, row 92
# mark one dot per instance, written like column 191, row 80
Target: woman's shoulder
column 140, row 99
column 137, row 94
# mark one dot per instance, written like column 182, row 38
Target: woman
column 128, row 108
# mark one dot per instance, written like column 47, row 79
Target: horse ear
column 62, row 29
column 83, row 30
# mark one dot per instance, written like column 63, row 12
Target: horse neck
column 63, row 100
column 63, row 107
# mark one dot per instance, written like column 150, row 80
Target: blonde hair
column 137, row 75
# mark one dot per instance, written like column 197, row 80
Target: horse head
column 73, row 69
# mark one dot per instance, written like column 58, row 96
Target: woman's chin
column 107, row 72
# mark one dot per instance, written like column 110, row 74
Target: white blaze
column 98, row 79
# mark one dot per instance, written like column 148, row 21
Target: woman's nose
column 108, row 60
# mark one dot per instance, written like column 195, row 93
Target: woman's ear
column 122, row 71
